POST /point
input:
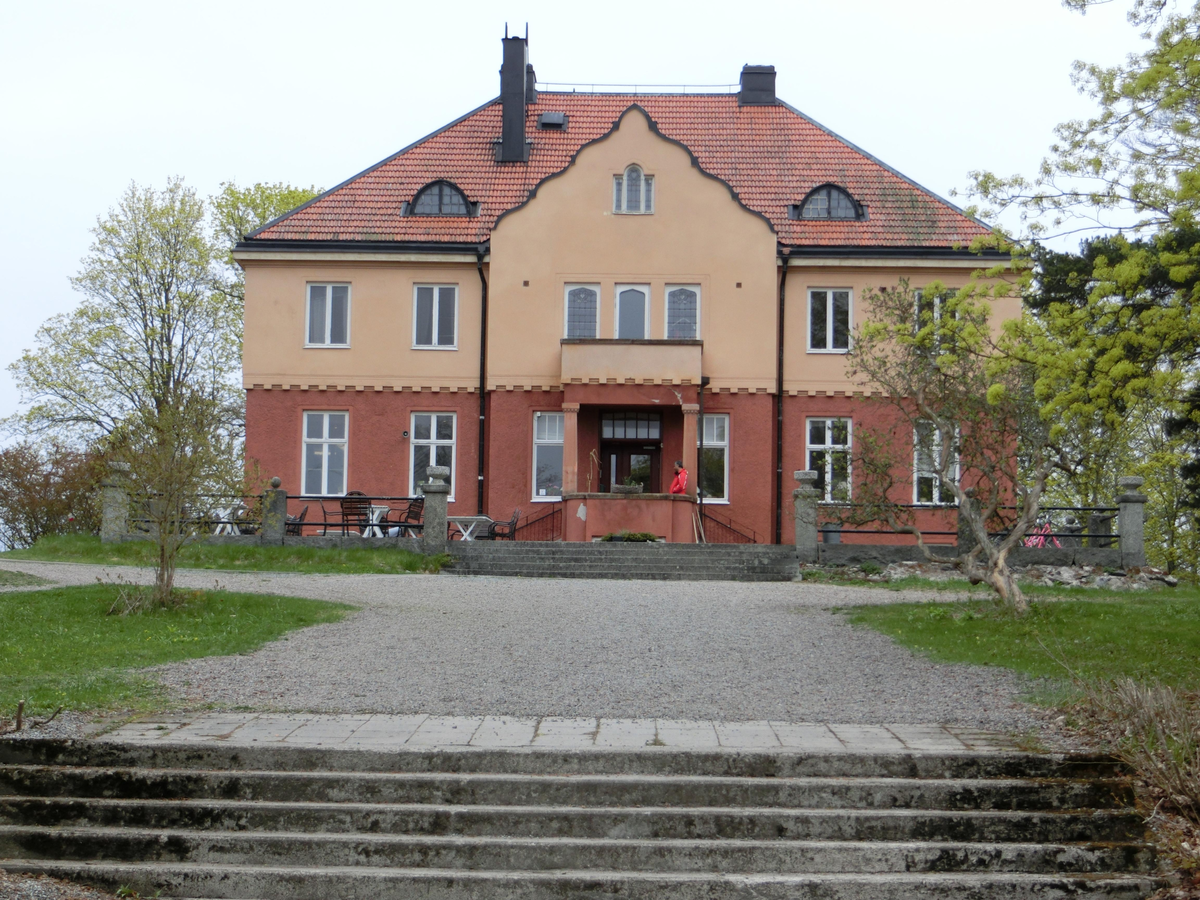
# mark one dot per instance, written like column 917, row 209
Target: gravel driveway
column 453, row 645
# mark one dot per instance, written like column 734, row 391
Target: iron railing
column 330, row 515
column 542, row 525
column 723, row 530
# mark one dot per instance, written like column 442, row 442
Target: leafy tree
column 152, row 323
column 933, row 359
column 47, row 488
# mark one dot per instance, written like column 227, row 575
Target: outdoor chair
column 294, row 526
column 356, row 511
column 409, row 520
column 502, row 531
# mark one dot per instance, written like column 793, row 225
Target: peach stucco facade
column 532, row 416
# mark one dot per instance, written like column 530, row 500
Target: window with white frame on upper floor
column 714, row 458
column 829, row 456
column 929, row 486
column 328, row 315
column 683, row 311
column 829, row 320
column 324, row 453
column 583, row 310
column 435, row 316
column 432, row 444
column 633, row 192
column 632, row 319
column 547, row 455
column 933, row 320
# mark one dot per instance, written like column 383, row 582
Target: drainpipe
column 783, row 258
column 704, row 382
column 483, row 325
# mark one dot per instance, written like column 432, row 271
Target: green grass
column 317, row 560
column 19, row 579
column 61, row 646
column 1107, row 635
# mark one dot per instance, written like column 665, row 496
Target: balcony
column 590, row 361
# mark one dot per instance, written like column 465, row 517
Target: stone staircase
column 661, row 562
column 213, row 821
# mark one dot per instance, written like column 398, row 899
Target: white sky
column 96, row 95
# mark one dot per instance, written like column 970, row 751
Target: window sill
column 709, row 501
column 546, row 499
column 829, row 352
column 435, row 346
column 326, row 346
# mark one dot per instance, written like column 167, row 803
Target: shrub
column 47, row 489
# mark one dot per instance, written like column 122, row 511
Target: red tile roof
column 772, row 156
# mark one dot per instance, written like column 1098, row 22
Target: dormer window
column 440, row 198
column 633, row 192
column 827, row 202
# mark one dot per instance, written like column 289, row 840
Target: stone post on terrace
column 804, row 506
column 435, row 534
column 274, row 513
column 1131, row 521
column 114, row 504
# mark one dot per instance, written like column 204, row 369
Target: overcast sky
column 97, row 95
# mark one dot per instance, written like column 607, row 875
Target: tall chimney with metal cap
column 514, row 94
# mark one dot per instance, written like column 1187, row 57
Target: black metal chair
column 294, row 526
column 410, row 519
column 502, row 531
column 356, row 511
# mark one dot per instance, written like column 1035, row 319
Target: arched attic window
column 633, row 191
column 828, row 202
column 440, row 198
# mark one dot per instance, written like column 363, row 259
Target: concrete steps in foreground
column 661, row 562
column 206, row 820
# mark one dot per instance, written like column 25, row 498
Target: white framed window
column 327, row 316
column 714, row 461
column 582, row 304
column 432, row 444
column 435, row 317
column 929, row 309
column 633, row 192
column 928, row 486
column 324, row 453
column 547, row 455
column 632, row 321
column 829, row 456
column 829, row 320
column 683, row 311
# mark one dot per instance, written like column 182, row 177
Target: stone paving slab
column 379, row 732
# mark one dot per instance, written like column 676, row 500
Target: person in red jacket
column 679, row 485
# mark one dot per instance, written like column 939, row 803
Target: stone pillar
column 690, row 455
column 114, row 504
column 1099, row 526
column 1131, row 521
column 570, row 483
column 274, row 514
column 804, row 509
column 1071, row 533
column 435, row 533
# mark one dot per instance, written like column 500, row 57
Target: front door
column 631, row 450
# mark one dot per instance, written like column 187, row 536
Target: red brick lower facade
column 380, row 435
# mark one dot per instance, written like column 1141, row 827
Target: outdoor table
column 467, row 525
column 378, row 514
column 228, row 525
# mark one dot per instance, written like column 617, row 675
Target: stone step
column 311, row 883
column 649, row 761
column 539, row 854
column 655, row 823
column 582, row 791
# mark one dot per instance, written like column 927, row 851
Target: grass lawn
column 61, row 647
column 1098, row 634
column 345, row 560
column 19, row 579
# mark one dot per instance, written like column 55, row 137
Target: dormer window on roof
column 827, row 202
column 633, row 192
column 440, row 198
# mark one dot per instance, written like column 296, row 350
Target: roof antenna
column 506, row 31
column 527, row 32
